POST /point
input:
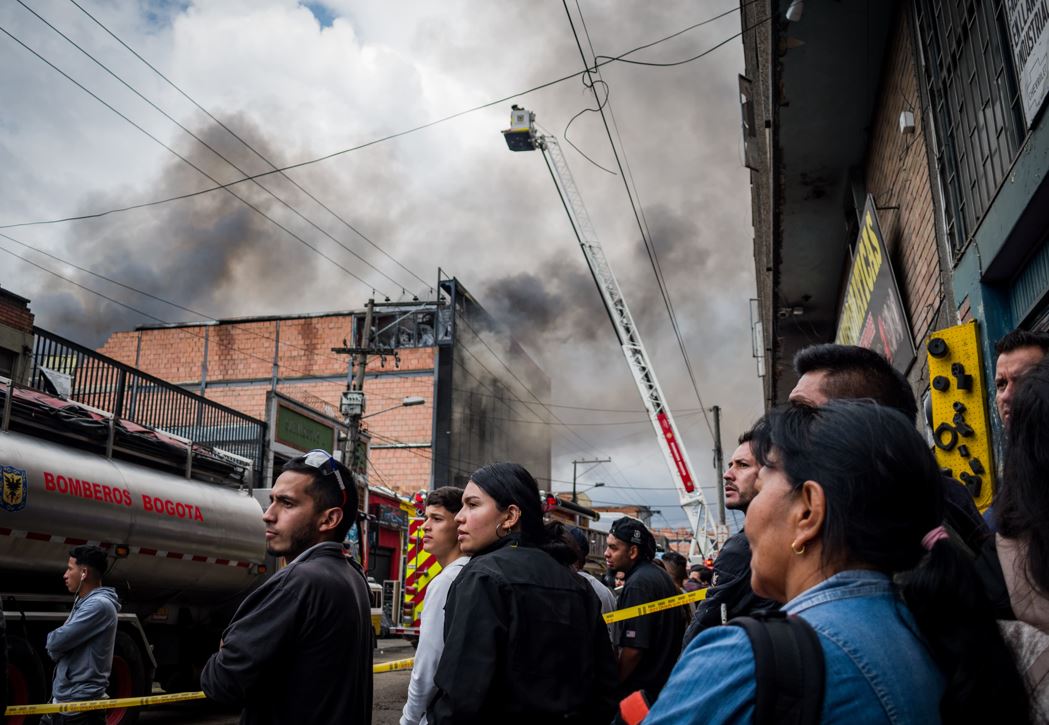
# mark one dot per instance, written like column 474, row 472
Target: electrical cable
column 206, row 317
column 143, row 313
column 564, row 134
column 373, row 142
column 598, row 62
column 185, row 160
column 649, row 247
column 204, row 143
column 247, row 145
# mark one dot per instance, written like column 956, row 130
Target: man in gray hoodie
column 82, row 648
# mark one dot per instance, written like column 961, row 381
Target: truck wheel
column 127, row 679
column 26, row 684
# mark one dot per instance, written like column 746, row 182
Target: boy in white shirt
column 441, row 540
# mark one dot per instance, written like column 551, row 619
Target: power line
column 373, row 142
column 207, row 317
column 204, row 143
column 708, row 51
column 259, row 154
column 649, row 246
column 190, row 310
column 184, row 159
column 143, row 313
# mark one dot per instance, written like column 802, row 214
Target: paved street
column 391, row 689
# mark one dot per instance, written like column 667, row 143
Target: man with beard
column 729, row 594
column 299, row 649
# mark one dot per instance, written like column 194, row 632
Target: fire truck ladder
column 523, row 136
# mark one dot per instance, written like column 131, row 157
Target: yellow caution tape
column 619, row 615
column 659, row 605
column 394, row 666
column 15, row 710
column 86, row 705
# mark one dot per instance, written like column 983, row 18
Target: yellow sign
column 961, row 429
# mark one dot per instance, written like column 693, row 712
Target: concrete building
column 475, row 382
column 899, row 157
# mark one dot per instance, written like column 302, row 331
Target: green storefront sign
column 301, row 432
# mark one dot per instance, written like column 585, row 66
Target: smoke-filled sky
column 302, row 80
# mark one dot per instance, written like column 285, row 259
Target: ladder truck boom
column 523, row 136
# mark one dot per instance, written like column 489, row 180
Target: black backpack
column 788, row 664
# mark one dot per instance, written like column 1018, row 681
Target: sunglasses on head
column 326, row 464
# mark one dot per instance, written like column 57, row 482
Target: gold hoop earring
column 793, row 548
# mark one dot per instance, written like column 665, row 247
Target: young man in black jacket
column 299, row 649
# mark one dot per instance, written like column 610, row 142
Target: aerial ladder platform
column 523, row 136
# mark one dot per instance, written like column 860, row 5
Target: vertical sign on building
column 961, row 427
column 872, row 310
column 1029, row 36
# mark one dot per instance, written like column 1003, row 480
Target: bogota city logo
column 16, row 488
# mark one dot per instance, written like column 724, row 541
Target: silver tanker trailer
column 183, row 554
column 96, row 452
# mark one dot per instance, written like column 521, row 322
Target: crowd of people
column 919, row 609
column 864, row 586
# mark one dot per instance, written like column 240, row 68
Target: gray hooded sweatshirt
column 82, row 648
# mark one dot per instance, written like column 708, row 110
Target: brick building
column 16, row 336
column 451, row 353
column 905, row 137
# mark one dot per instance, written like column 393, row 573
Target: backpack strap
column 788, row 666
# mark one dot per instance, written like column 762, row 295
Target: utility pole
column 719, row 463
column 575, row 468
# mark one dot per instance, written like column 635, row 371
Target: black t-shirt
column 657, row 635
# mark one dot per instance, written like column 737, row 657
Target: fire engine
column 96, row 452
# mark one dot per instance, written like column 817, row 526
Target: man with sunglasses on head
column 299, row 648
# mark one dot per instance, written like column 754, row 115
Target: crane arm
column 521, row 137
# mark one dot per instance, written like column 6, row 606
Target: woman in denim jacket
column 848, row 496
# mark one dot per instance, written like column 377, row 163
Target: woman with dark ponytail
column 848, row 497
column 524, row 637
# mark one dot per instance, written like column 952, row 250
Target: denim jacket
column 878, row 668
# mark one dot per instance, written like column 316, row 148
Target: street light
column 405, row 403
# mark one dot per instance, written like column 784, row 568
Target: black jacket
column 730, row 586
column 299, row 649
column 524, row 642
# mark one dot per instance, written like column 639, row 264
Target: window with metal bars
column 969, row 76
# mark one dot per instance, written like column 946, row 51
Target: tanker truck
column 174, row 510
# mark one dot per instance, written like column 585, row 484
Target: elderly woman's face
column 770, row 532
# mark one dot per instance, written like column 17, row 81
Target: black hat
column 696, row 567
column 91, row 556
column 634, row 532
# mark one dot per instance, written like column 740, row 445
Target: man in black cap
column 649, row 645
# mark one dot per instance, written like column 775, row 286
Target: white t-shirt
column 431, row 644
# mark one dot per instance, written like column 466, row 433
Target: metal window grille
column 971, row 83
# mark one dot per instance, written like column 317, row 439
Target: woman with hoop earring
column 524, row 637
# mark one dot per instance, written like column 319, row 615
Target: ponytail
column 947, row 600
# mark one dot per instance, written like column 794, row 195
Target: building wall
column 487, row 387
column 239, row 373
column 757, row 56
column 897, row 174
column 16, row 336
